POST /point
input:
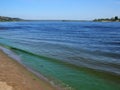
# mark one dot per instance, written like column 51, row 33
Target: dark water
column 79, row 55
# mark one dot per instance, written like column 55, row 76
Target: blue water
column 80, row 55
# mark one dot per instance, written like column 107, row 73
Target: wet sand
column 14, row 76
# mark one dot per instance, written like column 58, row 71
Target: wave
column 17, row 50
column 86, row 61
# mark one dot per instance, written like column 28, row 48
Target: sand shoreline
column 14, row 76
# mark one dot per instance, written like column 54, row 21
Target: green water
column 70, row 76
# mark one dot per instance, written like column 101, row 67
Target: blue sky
column 60, row 9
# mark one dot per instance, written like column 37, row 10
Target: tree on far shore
column 116, row 18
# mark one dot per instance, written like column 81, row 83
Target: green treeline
column 113, row 19
column 3, row 19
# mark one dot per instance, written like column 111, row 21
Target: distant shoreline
column 9, row 19
column 106, row 21
column 113, row 19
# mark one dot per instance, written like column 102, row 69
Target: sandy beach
column 14, row 76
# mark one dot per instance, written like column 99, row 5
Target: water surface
column 80, row 55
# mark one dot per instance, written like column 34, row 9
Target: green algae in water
column 77, row 78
